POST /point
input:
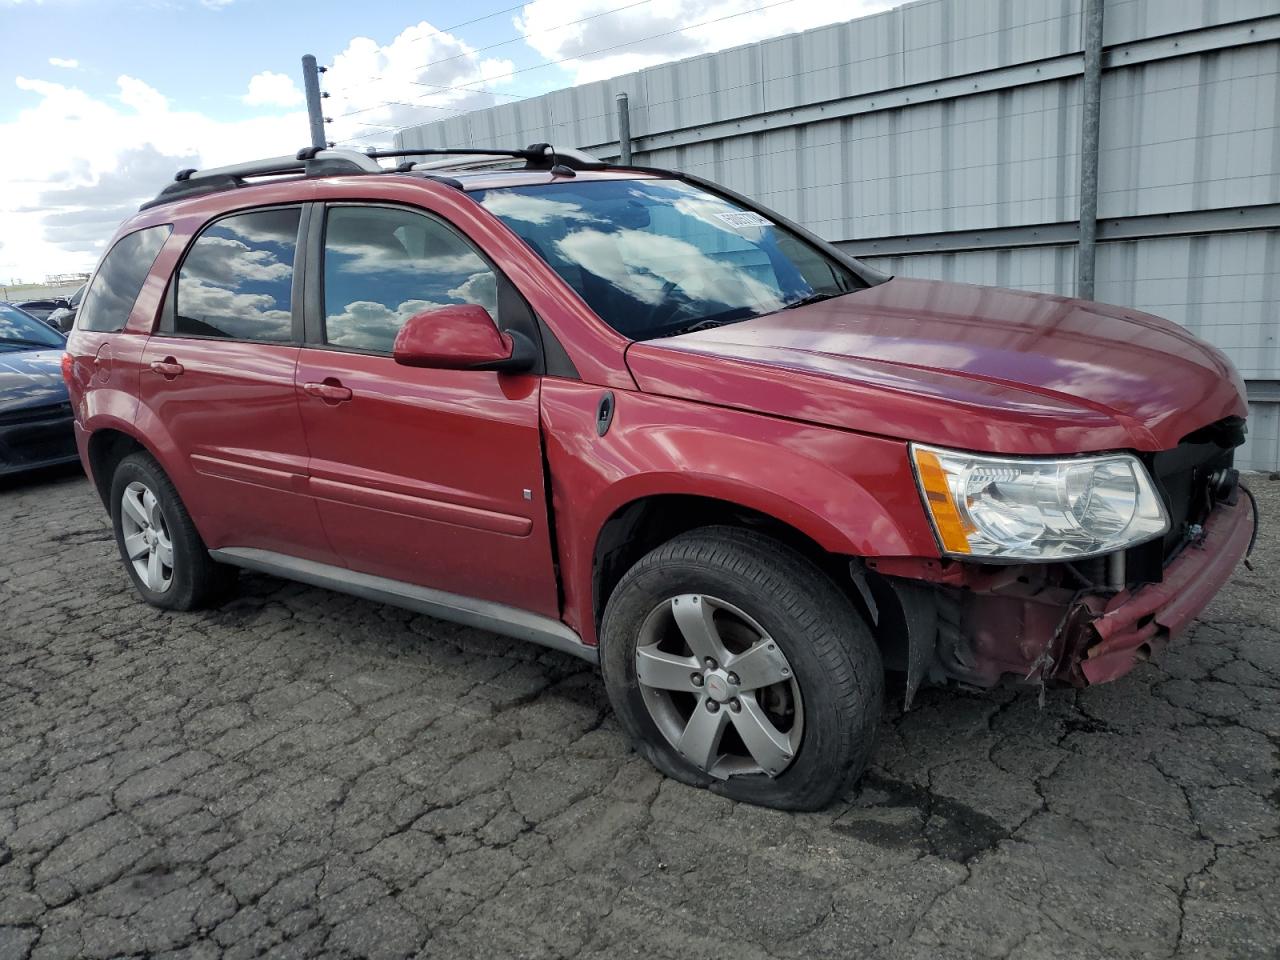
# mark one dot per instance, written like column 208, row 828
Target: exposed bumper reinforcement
column 1139, row 622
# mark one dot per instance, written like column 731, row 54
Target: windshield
column 655, row 258
column 21, row 331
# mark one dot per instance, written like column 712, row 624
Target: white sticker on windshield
column 745, row 218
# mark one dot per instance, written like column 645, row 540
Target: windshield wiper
column 811, row 298
column 701, row 325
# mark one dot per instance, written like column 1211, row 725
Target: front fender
column 850, row 493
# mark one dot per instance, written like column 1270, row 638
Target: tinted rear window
column 237, row 280
column 110, row 299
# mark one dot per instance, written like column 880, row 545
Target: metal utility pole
column 311, row 84
column 1091, row 111
column 624, row 129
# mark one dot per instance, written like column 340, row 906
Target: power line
column 526, row 36
column 617, row 46
column 492, row 46
column 434, row 32
column 457, row 26
column 628, row 43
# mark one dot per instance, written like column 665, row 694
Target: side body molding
column 483, row 614
column 850, row 493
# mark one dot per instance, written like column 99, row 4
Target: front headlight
column 1029, row 508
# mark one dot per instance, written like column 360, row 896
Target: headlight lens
column 1028, row 508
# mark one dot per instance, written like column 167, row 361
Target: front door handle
column 330, row 391
column 167, row 368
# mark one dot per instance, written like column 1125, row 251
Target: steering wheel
column 666, row 307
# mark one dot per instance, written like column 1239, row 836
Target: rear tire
column 790, row 727
column 163, row 553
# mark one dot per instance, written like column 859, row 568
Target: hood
column 971, row 367
column 30, row 378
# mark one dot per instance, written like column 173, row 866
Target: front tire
column 734, row 663
column 161, row 549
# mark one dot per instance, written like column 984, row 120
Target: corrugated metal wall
column 942, row 139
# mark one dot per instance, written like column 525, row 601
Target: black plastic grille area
column 48, row 411
column 1182, row 477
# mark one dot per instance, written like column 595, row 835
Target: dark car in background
column 35, row 414
column 41, row 309
column 64, row 318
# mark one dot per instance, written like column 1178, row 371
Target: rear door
column 219, row 376
column 430, row 477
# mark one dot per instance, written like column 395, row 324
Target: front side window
column 655, row 258
column 119, row 280
column 382, row 265
column 237, row 279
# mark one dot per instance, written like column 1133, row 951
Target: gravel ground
column 304, row 774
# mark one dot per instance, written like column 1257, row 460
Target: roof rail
column 537, row 156
column 325, row 162
column 311, row 162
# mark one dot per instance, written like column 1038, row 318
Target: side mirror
column 461, row 337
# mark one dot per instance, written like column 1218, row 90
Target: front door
column 219, row 377
column 431, row 477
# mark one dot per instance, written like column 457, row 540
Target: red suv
column 631, row 415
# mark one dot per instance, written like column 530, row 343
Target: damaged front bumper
column 1139, row 622
column 980, row 624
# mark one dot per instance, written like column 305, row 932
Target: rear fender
column 851, row 494
column 114, row 410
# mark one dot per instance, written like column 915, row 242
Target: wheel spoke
column 666, row 671
column 767, row 745
column 700, row 742
column 694, row 619
column 152, row 507
column 164, row 550
column 154, row 574
column 132, row 505
column 135, row 545
column 760, row 666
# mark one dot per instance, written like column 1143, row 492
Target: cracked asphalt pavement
column 304, row 774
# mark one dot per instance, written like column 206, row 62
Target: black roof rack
column 537, row 156
column 327, row 162
column 310, row 163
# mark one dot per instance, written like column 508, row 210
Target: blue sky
column 116, row 95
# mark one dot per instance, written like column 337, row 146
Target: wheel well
column 644, row 524
column 106, row 449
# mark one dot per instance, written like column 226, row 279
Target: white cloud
column 114, row 152
column 425, row 73
column 650, row 33
column 267, row 89
column 64, row 63
column 142, row 97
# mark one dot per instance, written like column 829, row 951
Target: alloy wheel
column 719, row 687
column 146, row 537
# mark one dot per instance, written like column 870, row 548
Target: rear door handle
column 330, row 391
column 167, row 368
